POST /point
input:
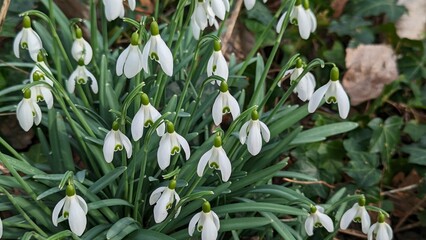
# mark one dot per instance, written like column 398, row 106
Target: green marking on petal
column 318, row 225
column 331, row 99
column 81, row 81
column 66, row 214
column 357, row 219
column 226, row 110
column 169, row 206
column 34, row 113
column 148, row 123
column 214, row 68
column 24, row 45
column 175, row 149
column 200, row 228
column 214, row 165
column 118, row 147
column 40, row 98
column 154, row 56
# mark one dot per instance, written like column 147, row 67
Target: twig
column 231, row 24
column 408, row 227
column 409, row 213
column 3, row 12
column 309, row 182
column 403, row 189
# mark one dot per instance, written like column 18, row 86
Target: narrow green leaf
column 321, row 133
column 107, row 179
column 121, row 226
column 108, row 203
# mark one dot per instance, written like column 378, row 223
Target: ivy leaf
column 354, row 26
column 366, row 8
column 386, row 136
column 417, row 153
column 363, row 168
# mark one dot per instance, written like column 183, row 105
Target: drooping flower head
column 300, row 16
column 170, row 144
column 357, row 213
column 217, row 159
column 207, row 223
column 74, row 208
column 27, row 38
column 130, row 60
column 115, row 8
column 380, row 230
column 156, row 49
column 115, row 141
column 249, row 4
column 81, row 76
column 317, row 219
column 217, row 64
column 306, row 85
column 40, row 91
column 163, row 198
column 145, row 117
column 333, row 93
column 202, row 16
column 250, row 133
column 81, row 49
column 42, row 69
column 224, row 103
column 28, row 112
column 220, row 7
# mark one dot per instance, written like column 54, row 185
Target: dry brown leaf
column 338, row 6
column 412, row 24
column 370, row 67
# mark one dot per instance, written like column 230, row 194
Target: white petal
column 371, row 231
column 82, row 203
column 132, row 4
column 109, row 145
column 280, row 24
column 25, row 115
column 17, row 43
column 365, row 221
column 217, row 110
column 182, row 141
column 56, row 211
column 209, row 231
column 145, row 56
column 254, row 141
column 155, row 114
column 48, row 97
column 243, row 132
column 382, row 233
column 34, row 44
column 342, row 101
column 233, row 105
column 77, row 218
column 309, row 226
column 1, row 228
column 156, row 195
column 347, row 218
column 138, row 124
column 265, row 131
column 37, row 110
column 126, row 143
column 317, row 97
column 218, row 8
column 222, row 67
column 192, row 223
column 165, row 56
column 200, row 16
column 210, row 64
column 133, row 65
column 160, row 209
column 216, row 220
column 164, row 151
column 224, row 165
column 249, row 4
column 304, row 22
column 177, row 201
column 94, row 83
column 113, row 9
column 203, row 162
column 196, row 31
column 326, row 221
column 121, row 61
column 313, row 20
column 71, row 82
column 389, row 231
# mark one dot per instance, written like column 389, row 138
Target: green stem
column 12, row 150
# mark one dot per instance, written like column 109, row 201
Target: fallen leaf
column 412, row 24
column 338, row 6
column 370, row 67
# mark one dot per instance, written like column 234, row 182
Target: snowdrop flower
column 115, row 8
column 171, row 143
column 145, row 117
column 36, row 68
column 27, row 38
column 357, row 213
column 40, row 91
column 333, row 93
column 300, row 16
column 317, row 219
column 74, row 208
column 28, row 112
column 220, row 7
column 217, row 64
column 253, row 128
column 81, row 49
column 157, row 50
column 163, row 198
column 81, row 76
column 306, row 85
column 130, row 60
column 202, row 16
column 1, row 228
column 208, row 223
column 217, row 159
column 224, row 103
column 114, row 141
column 380, row 230
column 249, row 4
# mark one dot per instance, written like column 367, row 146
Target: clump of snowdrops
column 160, row 139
